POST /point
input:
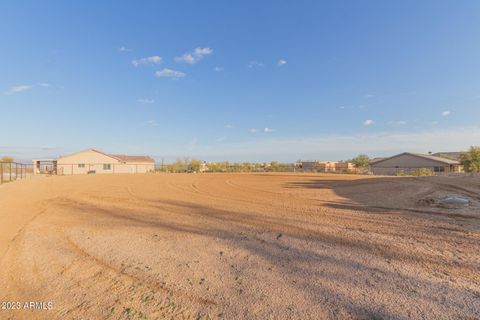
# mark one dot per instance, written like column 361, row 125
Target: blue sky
column 239, row 80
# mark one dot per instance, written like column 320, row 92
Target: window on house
column 81, row 165
column 107, row 167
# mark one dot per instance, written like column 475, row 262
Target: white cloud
column 152, row 123
column 268, row 130
column 145, row 101
column 148, row 61
column 24, row 87
column 445, row 113
column 228, row 126
column 255, row 64
column 368, row 96
column 169, row 73
column 17, row 89
column 281, row 62
column 218, row 69
column 195, row 56
column 221, row 139
column 341, row 107
column 124, row 49
column 252, row 130
column 368, row 122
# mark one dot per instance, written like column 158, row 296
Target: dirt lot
column 239, row 246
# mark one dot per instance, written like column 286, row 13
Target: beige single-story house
column 326, row 166
column 409, row 162
column 94, row 161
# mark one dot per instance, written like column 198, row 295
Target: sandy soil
column 239, row 246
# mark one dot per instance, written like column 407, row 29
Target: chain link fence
column 11, row 171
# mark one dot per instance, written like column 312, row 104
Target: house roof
column 126, row 158
column 424, row 156
column 450, row 155
column 119, row 157
column 374, row 160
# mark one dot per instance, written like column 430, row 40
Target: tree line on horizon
column 195, row 165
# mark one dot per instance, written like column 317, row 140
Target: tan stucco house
column 409, row 162
column 326, row 166
column 94, row 161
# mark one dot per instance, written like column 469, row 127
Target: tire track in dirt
column 153, row 285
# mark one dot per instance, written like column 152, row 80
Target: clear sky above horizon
column 239, row 80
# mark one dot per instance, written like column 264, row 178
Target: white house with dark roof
column 94, row 161
column 409, row 162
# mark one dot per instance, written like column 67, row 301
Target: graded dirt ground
column 240, row 246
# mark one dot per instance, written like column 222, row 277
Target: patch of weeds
column 129, row 312
column 146, row 297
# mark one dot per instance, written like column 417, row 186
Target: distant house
column 344, row 166
column 94, row 161
column 326, row 166
column 310, row 165
column 409, row 162
column 449, row 155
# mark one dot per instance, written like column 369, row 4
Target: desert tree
column 361, row 161
column 471, row 159
column 6, row 159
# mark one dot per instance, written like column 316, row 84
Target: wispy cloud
column 124, row 49
column 281, row 62
column 17, row 89
column 344, row 146
column 195, row 56
column 445, row 113
column 368, row 122
column 24, row 87
column 218, row 69
column 221, row 139
column 252, row 130
column 255, row 64
column 268, row 130
column 228, row 126
column 148, row 61
column 145, row 101
column 398, row 123
column 169, row 73
column 152, row 123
